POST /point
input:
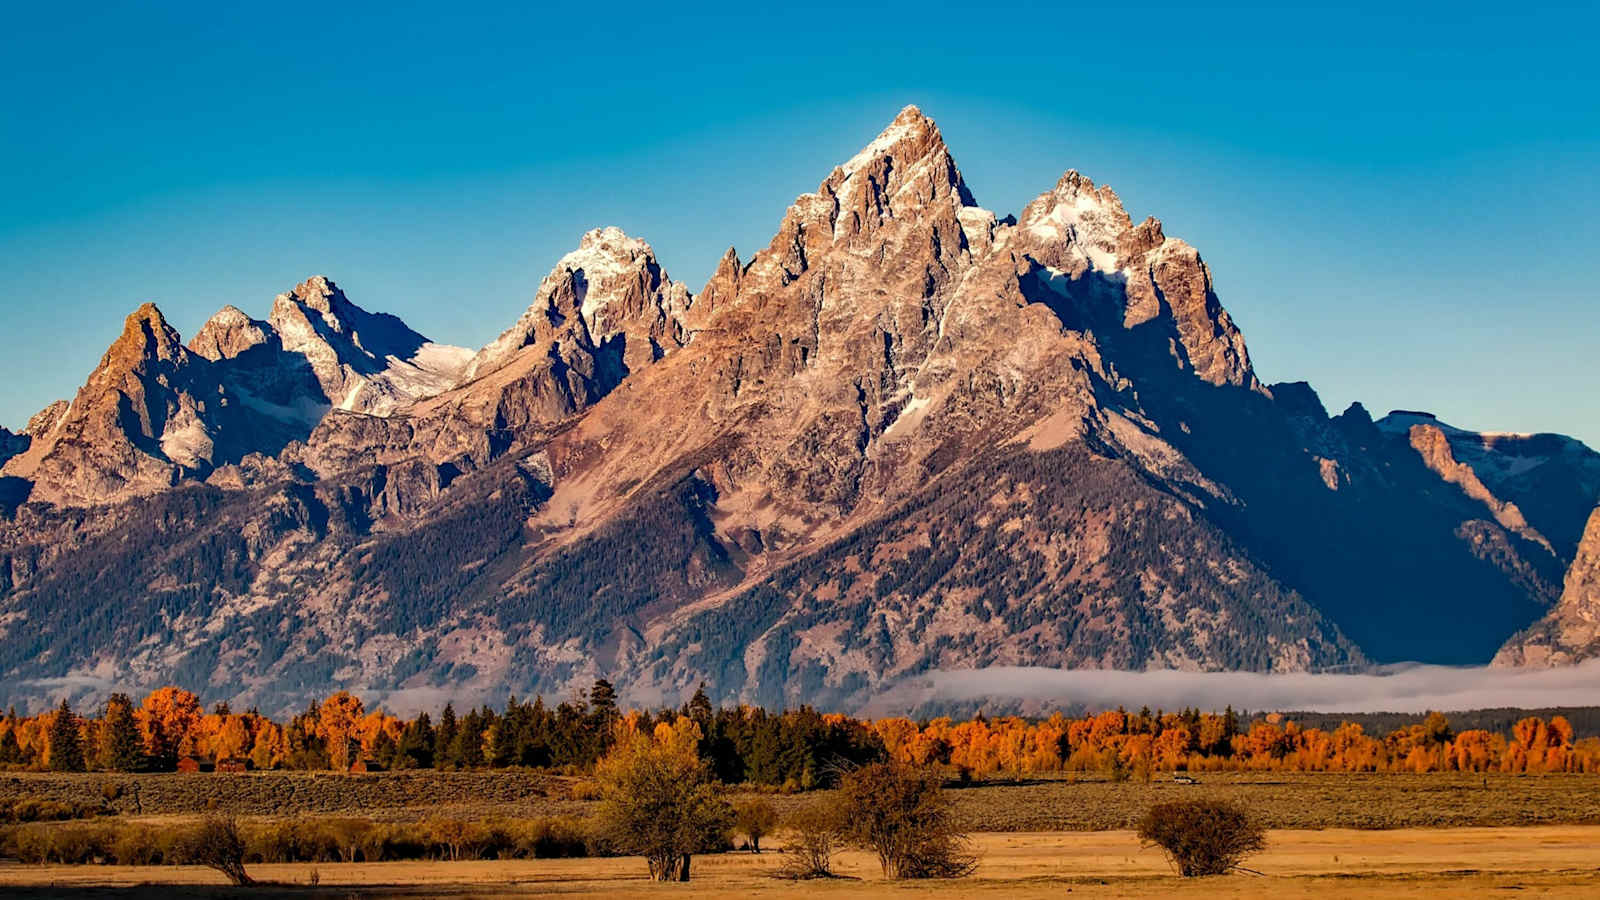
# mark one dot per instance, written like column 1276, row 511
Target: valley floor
column 1553, row 861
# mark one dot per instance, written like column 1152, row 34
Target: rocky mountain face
column 1570, row 632
column 906, row 434
column 1543, row 483
column 157, row 413
column 151, row 414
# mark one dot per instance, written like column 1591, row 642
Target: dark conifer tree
column 124, row 747
column 699, row 707
column 444, row 739
column 415, row 750
column 66, row 741
column 10, row 750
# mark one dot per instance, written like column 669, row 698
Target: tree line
column 796, row 749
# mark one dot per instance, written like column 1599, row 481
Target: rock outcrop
column 1571, row 632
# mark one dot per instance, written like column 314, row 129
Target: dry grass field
column 1282, row 800
column 1334, row 836
column 1554, row 861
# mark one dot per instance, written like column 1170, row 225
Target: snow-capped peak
column 908, row 125
column 1091, row 219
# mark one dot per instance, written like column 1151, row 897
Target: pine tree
column 466, row 750
column 123, row 747
column 699, row 708
column 10, row 750
column 66, row 743
column 384, row 750
column 416, row 745
column 444, row 740
column 602, row 707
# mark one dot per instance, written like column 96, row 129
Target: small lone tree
column 1202, row 837
column 657, row 801
column 903, row 815
column 219, row 844
column 755, row 819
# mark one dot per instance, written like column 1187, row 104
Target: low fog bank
column 1405, row 688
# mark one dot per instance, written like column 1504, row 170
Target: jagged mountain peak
column 611, row 288
column 365, row 362
column 909, row 149
column 317, row 292
column 146, row 335
column 1086, row 222
column 908, row 137
column 229, row 333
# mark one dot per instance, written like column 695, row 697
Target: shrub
column 754, row 818
column 814, row 835
column 456, row 838
column 1202, row 837
column 137, row 845
column 903, row 815
column 554, row 839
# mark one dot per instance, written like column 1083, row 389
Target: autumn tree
column 337, row 720
column 754, row 818
column 219, row 844
column 658, row 801
column 165, row 719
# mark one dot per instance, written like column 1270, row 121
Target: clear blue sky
column 1398, row 204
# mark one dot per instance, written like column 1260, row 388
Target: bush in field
column 1202, row 837
column 138, row 845
column 754, row 818
column 658, row 802
column 219, row 844
column 903, row 815
column 814, row 835
column 457, row 838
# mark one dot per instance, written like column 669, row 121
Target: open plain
column 1555, row 861
column 1389, row 835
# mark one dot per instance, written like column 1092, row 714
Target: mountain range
column 906, row 435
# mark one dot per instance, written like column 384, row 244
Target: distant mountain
column 907, row 434
column 1550, row 479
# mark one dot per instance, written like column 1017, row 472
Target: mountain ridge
column 906, row 434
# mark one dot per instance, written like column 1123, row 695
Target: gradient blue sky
column 1398, row 205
